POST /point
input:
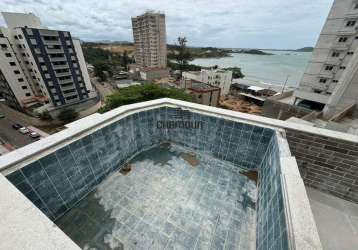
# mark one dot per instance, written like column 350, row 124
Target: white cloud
column 222, row 23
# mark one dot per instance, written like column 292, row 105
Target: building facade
column 331, row 77
column 202, row 93
column 215, row 77
column 41, row 65
column 150, row 41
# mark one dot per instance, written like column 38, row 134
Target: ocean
column 266, row 68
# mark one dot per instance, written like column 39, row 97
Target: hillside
column 305, row 49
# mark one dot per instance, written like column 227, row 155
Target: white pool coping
column 303, row 227
column 24, row 226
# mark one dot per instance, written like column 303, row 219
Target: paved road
column 12, row 136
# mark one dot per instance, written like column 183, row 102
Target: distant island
column 251, row 51
column 305, row 49
column 200, row 52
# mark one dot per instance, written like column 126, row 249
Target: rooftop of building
column 329, row 213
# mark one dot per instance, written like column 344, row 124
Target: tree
column 236, row 72
column 125, row 59
column 141, row 93
column 99, row 70
column 67, row 115
column 183, row 55
column 45, row 116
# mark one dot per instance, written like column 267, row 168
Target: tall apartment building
column 41, row 66
column 150, row 41
column 331, row 77
column 214, row 77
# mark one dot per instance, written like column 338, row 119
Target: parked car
column 34, row 135
column 24, row 130
column 2, row 115
column 17, row 126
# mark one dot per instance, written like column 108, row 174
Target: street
column 12, row 136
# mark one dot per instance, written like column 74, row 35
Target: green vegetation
column 141, row 93
column 305, row 49
column 185, row 67
column 104, row 60
column 251, row 51
column 182, row 54
column 236, row 72
column 195, row 52
column 45, row 116
column 67, row 115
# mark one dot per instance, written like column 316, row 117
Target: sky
column 276, row 24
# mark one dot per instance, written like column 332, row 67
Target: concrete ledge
column 302, row 228
column 23, row 226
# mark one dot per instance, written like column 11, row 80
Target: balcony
column 65, row 66
column 67, row 87
column 58, row 59
column 62, row 74
column 54, row 51
column 66, row 81
column 51, row 42
column 48, row 33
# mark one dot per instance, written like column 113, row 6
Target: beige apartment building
column 331, row 77
column 150, row 41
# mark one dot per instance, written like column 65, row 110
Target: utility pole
column 285, row 84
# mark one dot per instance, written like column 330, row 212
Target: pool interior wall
column 56, row 182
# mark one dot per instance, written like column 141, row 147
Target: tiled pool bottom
column 166, row 203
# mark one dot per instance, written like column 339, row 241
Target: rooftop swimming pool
column 167, row 201
column 166, row 176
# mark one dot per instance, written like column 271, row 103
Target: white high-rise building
column 41, row 66
column 214, row 77
column 331, row 77
column 150, row 41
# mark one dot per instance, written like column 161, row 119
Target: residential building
column 330, row 79
column 202, row 93
column 215, row 77
column 150, row 42
column 42, row 66
column 148, row 74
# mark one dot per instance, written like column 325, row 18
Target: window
column 342, row 67
column 329, row 67
column 3, row 46
column 335, row 81
column 20, row 36
column 335, row 54
column 12, row 63
column 351, row 23
column 20, row 79
column 317, row 91
column 343, row 39
column 350, row 53
column 323, row 80
column 16, row 72
column 24, row 87
column 28, row 94
column 8, row 54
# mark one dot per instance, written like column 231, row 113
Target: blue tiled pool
column 83, row 171
column 164, row 202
